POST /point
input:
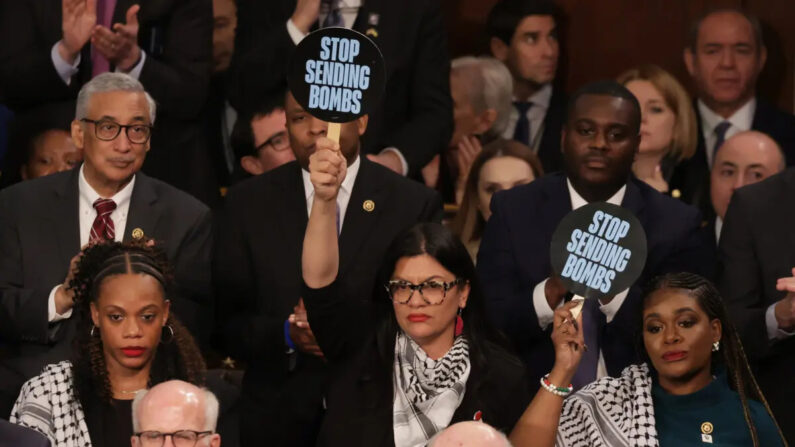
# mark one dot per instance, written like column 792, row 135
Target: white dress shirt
column 66, row 70
column 546, row 314
column 535, row 114
column 740, row 121
column 86, row 213
column 343, row 197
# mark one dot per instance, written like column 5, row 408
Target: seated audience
column 694, row 387
column 600, row 140
column 501, row 165
column 50, row 151
column 126, row 339
column 523, row 34
column 44, row 222
column 257, row 272
column 410, row 357
column 746, row 158
column 177, row 410
column 469, row 434
column 757, row 279
column 668, row 124
column 725, row 54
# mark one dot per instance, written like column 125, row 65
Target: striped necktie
column 102, row 229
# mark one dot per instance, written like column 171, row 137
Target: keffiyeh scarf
column 427, row 391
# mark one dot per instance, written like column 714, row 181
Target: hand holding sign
column 327, row 169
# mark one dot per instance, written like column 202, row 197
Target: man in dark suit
column 44, row 222
column 52, row 48
column 257, row 271
column 600, row 139
column 12, row 435
column 757, row 280
column 524, row 35
column 414, row 121
column 725, row 55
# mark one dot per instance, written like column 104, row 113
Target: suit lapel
column 358, row 222
column 141, row 214
column 557, row 204
column 292, row 206
column 66, row 218
column 633, row 201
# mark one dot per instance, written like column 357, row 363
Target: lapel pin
column 368, row 206
column 137, row 233
column 706, row 432
column 676, row 194
column 478, row 416
column 372, row 32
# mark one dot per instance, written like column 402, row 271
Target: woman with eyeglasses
column 420, row 354
column 126, row 340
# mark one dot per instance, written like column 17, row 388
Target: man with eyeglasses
column 44, row 223
column 257, row 271
column 175, row 413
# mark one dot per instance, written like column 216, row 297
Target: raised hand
column 120, row 46
column 78, row 18
column 327, row 169
column 569, row 344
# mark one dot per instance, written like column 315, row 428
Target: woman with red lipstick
column 416, row 356
column 126, row 340
column 695, row 389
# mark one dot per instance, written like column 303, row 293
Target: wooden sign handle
column 333, row 132
column 575, row 311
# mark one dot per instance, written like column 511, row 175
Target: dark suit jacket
column 39, row 235
column 361, row 393
column 258, row 279
column 177, row 38
column 12, row 435
column 757, row 246
column 514, row 257
column 549, row 149
column 416, row 112
column 691, row 177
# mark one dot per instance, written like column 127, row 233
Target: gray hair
column 491, row 88
column 210, row 409
column 111, row 82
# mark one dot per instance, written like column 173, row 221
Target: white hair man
column 175, row 413
column 470, row 434
column 481, row 88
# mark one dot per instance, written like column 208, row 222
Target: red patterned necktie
column 102, row 229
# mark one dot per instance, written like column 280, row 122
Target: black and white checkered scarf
column 611, row 412
column 427, row 391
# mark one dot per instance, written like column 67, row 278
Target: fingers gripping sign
column 327, row 169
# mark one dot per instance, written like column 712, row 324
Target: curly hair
column 177, row 358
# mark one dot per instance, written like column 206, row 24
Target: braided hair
column 177, row 358
column 731, row 355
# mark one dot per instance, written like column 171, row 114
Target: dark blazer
column 361, row 394
column 39, row 235
column 257, row 269
column 757, row 246
column 177, row 38
column 549, row 149
column 416, row 112
column 691, row 177
column 12, row 435
column 514, row 257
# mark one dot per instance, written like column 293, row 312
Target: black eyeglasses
column 278, row 142
column 108, row 130
column 432, row 292
column 182, row 438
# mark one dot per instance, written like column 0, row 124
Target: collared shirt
column 546, row 314
column 741, row 121
column 66, row 70
column 343, row 197
column 535, row 115
column 86, row 213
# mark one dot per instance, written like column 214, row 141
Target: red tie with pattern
column 102, row 229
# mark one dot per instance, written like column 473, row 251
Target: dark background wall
column 602, row 38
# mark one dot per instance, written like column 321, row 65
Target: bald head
column 470, row 434
column 743, row 159
column 174, row 406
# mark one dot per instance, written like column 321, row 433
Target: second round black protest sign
column 336, row 74
column 598, row 250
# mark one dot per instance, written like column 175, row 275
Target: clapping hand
column 785, row 309
column 78, row 18
column 300, row 332
column 119, row 46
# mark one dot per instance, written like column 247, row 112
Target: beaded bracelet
column 556, row 390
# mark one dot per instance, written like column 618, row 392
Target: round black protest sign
column 598, row 250
column 336, row 74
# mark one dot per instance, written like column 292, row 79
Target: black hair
column 731, row 354
column 24, row 133
column 506, row 15
column 607, row 88
column 756, row 27
column 177, row 357
column 242, row 137
column 441, row 244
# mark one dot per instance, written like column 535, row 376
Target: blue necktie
column 522, row 131
column 334, row 17
column 338, row 220
column 593, row 321
column 720, row 133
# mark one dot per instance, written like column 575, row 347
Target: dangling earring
column 171, row 338
column 459, row 323
column 91, row 332
column 716, row 346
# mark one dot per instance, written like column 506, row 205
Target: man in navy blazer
column 600, row 139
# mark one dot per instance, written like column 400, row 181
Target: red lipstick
column 418, row 318
column 133, row 351
column 673, row 356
